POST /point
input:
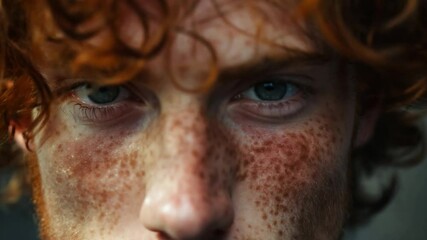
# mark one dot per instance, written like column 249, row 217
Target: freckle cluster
column 283, row 167
column 93, row 177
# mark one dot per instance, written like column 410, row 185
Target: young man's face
column 262, row 155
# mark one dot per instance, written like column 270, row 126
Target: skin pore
column 157, row 162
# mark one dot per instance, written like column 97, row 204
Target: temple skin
column 162, row 163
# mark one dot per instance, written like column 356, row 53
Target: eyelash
column 265, row 110
column 91, row 113
column 88, row 114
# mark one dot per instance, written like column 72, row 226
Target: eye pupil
column 270, row 91
column 104, row 95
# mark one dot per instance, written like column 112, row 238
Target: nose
column 186, row 197
column 186, row 215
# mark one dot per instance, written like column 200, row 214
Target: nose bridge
column 183, row 153
column 183, row 200
column 185, row 136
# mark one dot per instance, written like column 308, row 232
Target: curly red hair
column 386, row 41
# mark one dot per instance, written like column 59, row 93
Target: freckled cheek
column 289, row 155
column 93, row 170
column 283, row 168
column 270, row 163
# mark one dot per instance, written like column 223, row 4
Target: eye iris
column 270, row 91
column 104, row 95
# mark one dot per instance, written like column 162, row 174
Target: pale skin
column 228, row 163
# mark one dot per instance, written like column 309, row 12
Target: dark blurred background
column 17, row 222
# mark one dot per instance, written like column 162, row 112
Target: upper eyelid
column 76, row 83
column 228, row 87
column 301, row 89
column 297, row 79
column 66, row 89
column 68, row 86
column 136, row 93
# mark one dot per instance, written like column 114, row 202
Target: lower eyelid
column 270, row 110
column 129, row 106
column 268, row 105
column 101, row 115
column 84, row 113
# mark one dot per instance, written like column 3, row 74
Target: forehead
column 229, row 32
column 236, row 30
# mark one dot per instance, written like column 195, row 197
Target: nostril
column 187, row 216
column 219, row 233
column 214, row 235
column 163, row 236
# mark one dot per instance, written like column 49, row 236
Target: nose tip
column 187, row 216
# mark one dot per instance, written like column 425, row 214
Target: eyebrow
column 253, row 67
column 271, row 64
column 230, row 78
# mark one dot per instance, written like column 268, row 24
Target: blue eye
column 104, row 95
column 104, row 104
column 271, row 91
